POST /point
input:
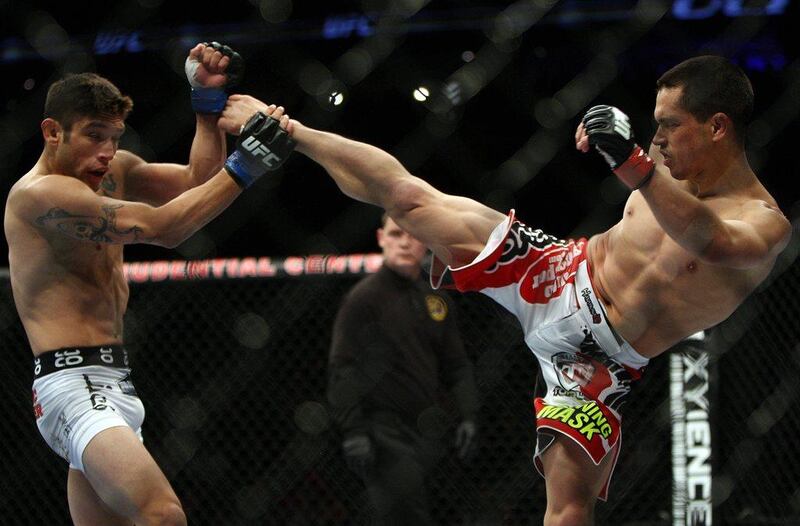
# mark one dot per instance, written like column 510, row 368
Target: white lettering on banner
column 699, row 514
column 691, row 455
column 251, row 267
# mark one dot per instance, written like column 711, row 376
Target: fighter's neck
column 46, row 164
column 723, row 178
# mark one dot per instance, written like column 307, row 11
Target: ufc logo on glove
column 253, row 158
column 254, row 146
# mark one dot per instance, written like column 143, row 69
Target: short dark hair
column 713, row 84
column 84, row 95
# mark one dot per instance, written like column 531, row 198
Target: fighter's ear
column 51, row 131
column 721, row 125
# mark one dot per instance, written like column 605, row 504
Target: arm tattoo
column 100, row 229
column 108, row 185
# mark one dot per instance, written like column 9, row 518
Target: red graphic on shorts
column 37, row 407
column 542, row 265
column 577, row 372
column 598, row 380
column 553, row 269
column 591, row 425
column 596, row 376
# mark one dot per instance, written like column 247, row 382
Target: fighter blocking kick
column 66, row 221
column 698, row 234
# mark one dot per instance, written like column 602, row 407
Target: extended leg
column 573, row 483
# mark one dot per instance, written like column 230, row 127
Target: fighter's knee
column 165, row 513
column 570, row 515
column 406, row 194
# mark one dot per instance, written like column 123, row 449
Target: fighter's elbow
column 164, row 239
column 168, row 241
column 165, row 230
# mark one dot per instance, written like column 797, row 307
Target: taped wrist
column 637, row 170
column 212, row 100
column 208, row 100
column 236, row 166
column 262, row 147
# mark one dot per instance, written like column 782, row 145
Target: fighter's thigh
column 124, row 474
column 570, row 475
column 85, row 506
column 456, row 228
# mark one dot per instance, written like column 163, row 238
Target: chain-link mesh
column 232, row 373
column 757, row 422
column 233, row 376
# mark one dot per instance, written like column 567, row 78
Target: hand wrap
column 213, row 99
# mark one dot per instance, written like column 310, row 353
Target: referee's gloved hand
column 359, row 454
column 465, row 438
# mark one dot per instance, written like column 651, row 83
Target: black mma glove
column 359, row 454
column 609, row 131
column 212, row 99
column 262, row 147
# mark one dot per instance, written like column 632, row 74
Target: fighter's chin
column 93, row 179
column 676, row 174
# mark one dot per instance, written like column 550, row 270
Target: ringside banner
column 691, row 434
column 251, row 267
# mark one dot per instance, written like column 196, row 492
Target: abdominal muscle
column 656, row 297
column 63, row 307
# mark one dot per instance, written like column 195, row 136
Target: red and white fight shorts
column 588, row 369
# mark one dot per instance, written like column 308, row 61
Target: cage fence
column 230, row 356
column 231, row 365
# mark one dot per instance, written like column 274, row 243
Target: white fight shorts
column 588, row 369
column 79, row 392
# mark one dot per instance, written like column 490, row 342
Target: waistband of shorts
column 70, row 357
column 593, row 313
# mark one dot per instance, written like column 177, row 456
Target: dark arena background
column 231, row 364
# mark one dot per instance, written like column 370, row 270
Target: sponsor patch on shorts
column 592, row 425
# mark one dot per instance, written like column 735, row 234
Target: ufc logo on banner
column 256, row 148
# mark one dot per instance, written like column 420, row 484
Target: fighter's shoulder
column 31, row 193
column 763, row 213
column 761, row 203
column 32, row 186
column 123, row 161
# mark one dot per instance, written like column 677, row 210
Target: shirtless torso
column 67, row 292
column 698, row 234
column 656, row 291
